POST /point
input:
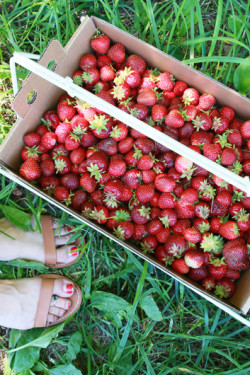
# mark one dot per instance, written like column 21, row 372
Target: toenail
column 62, row 312
column 73, row 248
column 68, row 305
column 50, row 323
column 69, row 287
column 74, row 254
column 68, row 229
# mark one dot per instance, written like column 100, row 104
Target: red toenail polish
column 73, row 248
column 68, row 229
column 69, row 288
column 74, row 254
column 68, row 305
column 50, row 323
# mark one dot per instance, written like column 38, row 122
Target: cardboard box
column 67, row 61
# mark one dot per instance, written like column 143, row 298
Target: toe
column 63, row 288
column 67, row 254
column 63, row 240
column 56, row 311
column 51, row 319
column 62, row 303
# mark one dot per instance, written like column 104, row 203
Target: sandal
column 49, row 244
column 46, row 294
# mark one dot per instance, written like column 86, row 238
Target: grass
column 152, row 324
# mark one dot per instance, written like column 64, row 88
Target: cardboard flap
column 241, row 297
column 53, row 53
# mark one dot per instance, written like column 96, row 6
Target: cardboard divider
column 67, row 62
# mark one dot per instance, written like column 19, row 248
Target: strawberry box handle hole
column 52, row 64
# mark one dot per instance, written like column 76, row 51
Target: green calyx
column 221, row 291
column 121, row 215
column 95, row 171
column 99, row 123
column 217, row 262
column 119, row 232
column 87, row 77
column 116, row 132
column 77, row 80
column 110, row 200
column 212, row 243
column 165, row 221
column 145, row 212
column 60, row 165
column 176, row 250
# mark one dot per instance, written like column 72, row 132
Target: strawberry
column 211, row 243
column 164, row 183
column 208, row 283
column 65, row 111
column 163, row 235
column 220, row 125
column 212, row 151
column 203, row 122
column 119, row 132
column 32, row 139
column 175, row 245
column 217, row 268
column 144, row 193
column 61, row 193
column 124, row 230
column 224, row 198
column 117, row 53
column 62, row 164
column 136, row 63
column 154, row 227
column 192, row 235
column 199, row 138
column 133, row 78
column 121, row 92
column 227, row 112
column 147, row 97
column 198, row 274
column 158, row 112
column 167, row 200
column 232, row 274
column 146, row 145
column 78, row 199
column 139, row 232
column 49, row 183
column 224, row 288
column 140, row 214
column 100, row 214
column 179, row 88
column 236, row 254
column 30, row 152
column 132, row 178
column 62, row 131
column 229, row 230
column 190, row 96
column 190, row 195
column 235, row 138
column 180, row 266
column 41, row 130
column 148, row 176
column 206, row 101
column 47, row 167
column 77, row 77
column 149, row 243
column 162, row 256
column 168, row 217
column 100, row 44
column 72, row 142
column 101, row 126
column 218, row 210
column 90, row 76
column 194, row 258
column 165, row 81
column 245, row 129
column 228, row 156
column 88, row 139
column 107, row 73
column 186, row 130
column 115, row 187
column 51, row 119
column 117, row 168
column 71, row 181
column 174, row 119
column 184, row 166
column 88, row 61
column 139, row 111
column 30, row 170
column 88, row 183
column 180, row 226
column 77, row 156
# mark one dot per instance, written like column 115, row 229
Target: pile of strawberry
column 188, row 218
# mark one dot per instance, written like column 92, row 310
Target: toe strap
column 46, row 293
column 48, row 239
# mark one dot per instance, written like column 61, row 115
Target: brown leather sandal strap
column 43, row 305
column 48, row 239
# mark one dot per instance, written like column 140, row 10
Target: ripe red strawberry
column 220, row 125
column 179, row 88
column 100, row 44
column 232, row 274
column 181, row 225
column 101, row 86
column 136, row 63
column 88, row 183
column 227, row 112
column 41, row 130
column 117, row 168
column 47, row 167
column 224, row 198
column 78, row 199
column 154, row 227
column 145, row 163
column 167, row 200
column 121, row 92
column 147, row 97
column 149, row 243
column 174, row 119
column 206, row 101
column 180, row 266
column 192, row 235
column 132, row 178
column 198, row 274
column 228, row 156
column 124, row 230
column 72, row 142
column 139, row 232
column 217, row 268
column 146, row 145
column 115, row 187
column 62, row 164
column 30, row 170
column 148, row 176
column 194, row 258
column 168, row 217
column 165, row 81
column 190, row 195
column 90, row 76
column 32, row 139
column 77, row 156
column 208, row 283
column 51, row 119
column 77, row 77
column 202, row 210
column 184, row 166
column 62, row 131
column 212, row 151
column 49, row 183
column 59, row 149
column 70, row 181
column 190, row 96
column 140, row 214
column 164, row 183
column 100, row 214
column 88, row 61
column 119, row 132
column 158, row 112
column 200, row 137
column 107, row 73
column 229, row 230
column 236, row 254
column 125, row 145
column 117, row 53
column 133, row 78
column 154, row 213
column 61, row 193
column 144, row 193
column 235, row 138
column 162, row 256
column 65, row 111
column 184, row 210
column 139, row 111
column 30, row 152
column 224, row 288
column 175, row 245
column 203, row 122
column 163, row 235
column 245, row 129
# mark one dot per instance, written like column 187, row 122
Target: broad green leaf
column 25, row 359
column 242, row 76
column 148, row 304
column 125, row 362
column 108, row 302
column 15, row 335
column 17, row 217
column 27, row 264
column 64, row 370
column 73, row 346
column 40, row 337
